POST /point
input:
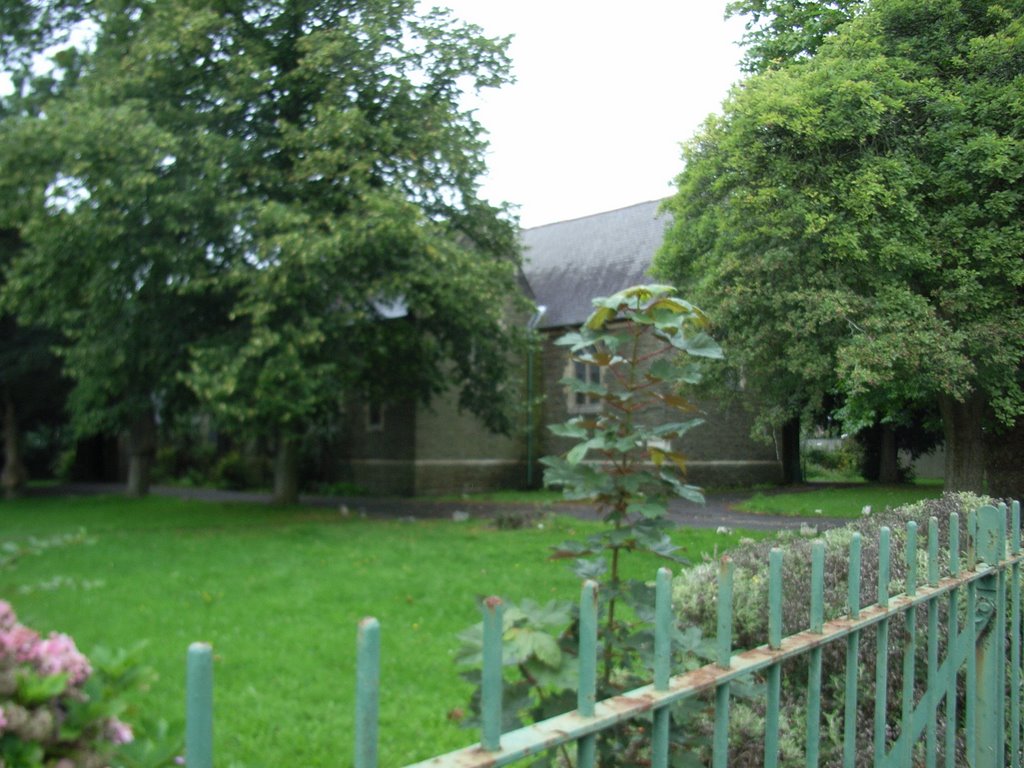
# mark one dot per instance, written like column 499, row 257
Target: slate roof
column 570, row 262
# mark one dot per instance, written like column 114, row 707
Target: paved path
column 716, row 512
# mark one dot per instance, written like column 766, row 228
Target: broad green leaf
column 577, row 453
column 569, row 340
column 672, row 305
column 571, row 549
column 594, row 569
column 678, row 459
column 569, row 429
column 34, row 688
column 563, row 678
column 702, row 345
column 555, row 614
column 599, row 317
column 657, row 455
column 648, row 509
column 518, row 646
column 663, row 369
column 676, row 428
column 546, row 649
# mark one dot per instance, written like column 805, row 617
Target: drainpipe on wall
column 531, row 328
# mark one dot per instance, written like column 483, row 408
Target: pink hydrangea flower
column 7, row 617
column 58, row 654
column 119, row 732
column 3, row 720
column 20, row 642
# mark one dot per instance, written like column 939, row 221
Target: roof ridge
column 593, row 215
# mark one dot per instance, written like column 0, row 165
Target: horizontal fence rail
column 980, row 670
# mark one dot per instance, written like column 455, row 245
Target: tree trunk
column 965, row 442
column 141, row 451
column 888, row 458
column 14, row 476
column 792, row 472
column 286, row 471
column 1005, row 452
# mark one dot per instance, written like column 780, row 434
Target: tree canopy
column 853, row 221
column 237, row 199
column 780, row 32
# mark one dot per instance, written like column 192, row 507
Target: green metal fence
column 980, row 671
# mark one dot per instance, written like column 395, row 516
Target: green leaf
column 657, row 455
column 649, row 509
column 577, row 453
column 702, row 345
column 594, row 570
column 569, row 549
column 562, row 678
column 571, row 429
column 518, row 646
column 599, row 317
column 34, row 688
column 546, row 649
column 555, row 614
column 662, row 369
column 571, row 339
column 676, row 428
column 672, row 305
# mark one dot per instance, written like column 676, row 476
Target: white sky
column 605, row 94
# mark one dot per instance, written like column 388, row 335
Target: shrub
column 842, row 464
column 238, row 471
column 694, row 592
column 59, row 710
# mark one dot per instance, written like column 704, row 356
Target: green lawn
column 839, row 502
column 278, row 592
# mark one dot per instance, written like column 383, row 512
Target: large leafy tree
column 854, row 221
column 32, row 390
column 780, row 32
column 122, row 227
column 295, row 174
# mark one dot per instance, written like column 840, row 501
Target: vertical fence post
column 852, row 652
column 662, row 665
column 971, row 630
column 771, row 720
column 952, row 633
column 882, row 647
column 909, row 648
column 199, row 706
column 814, row 663
column 586, row 694
column 723, row 644
column 1015, row 637
column 367, row 692
column 1000, row 627
column 490, row 683
column 991, row 549
column 931, row 733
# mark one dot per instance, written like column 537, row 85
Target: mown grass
column 278, row 592
column 838, row 502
